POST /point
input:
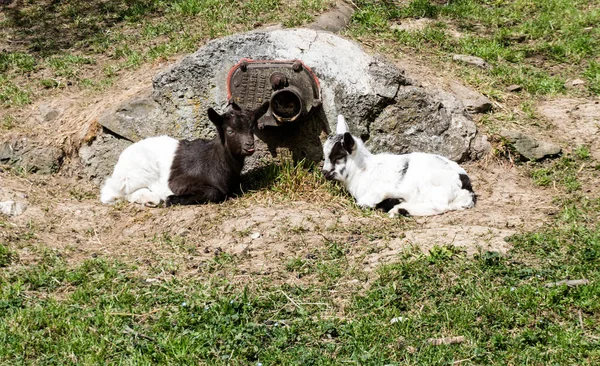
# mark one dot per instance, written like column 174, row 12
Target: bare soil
column 261, row 235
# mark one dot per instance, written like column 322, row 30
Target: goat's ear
column 235, row 106
column 258, row 112
column 349, row 142
column 215, row 117
column 217, row 120
column 341, row 127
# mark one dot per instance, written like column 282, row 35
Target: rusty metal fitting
column 290, row 86
column 286, row 104
column 278, row 81
column 297, row 66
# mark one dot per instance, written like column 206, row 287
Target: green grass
column 99, row 311
column 11, row 94
column 68, row 38
column 537, row 45
column 564, row 172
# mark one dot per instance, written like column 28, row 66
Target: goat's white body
column 431, row 185
column 425, row 184
column 142, row 173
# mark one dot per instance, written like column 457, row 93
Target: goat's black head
column 236, row 128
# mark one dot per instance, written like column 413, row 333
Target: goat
column 162, row 168
column 416, row 184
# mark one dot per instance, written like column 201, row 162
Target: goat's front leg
column 371, row 199
column 208, row 194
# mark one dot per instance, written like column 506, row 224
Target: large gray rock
column 30, row 155
column 100, row 156
column 368, row 91
column 423, row 122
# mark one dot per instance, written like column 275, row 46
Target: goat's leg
column 417, row 209
column 370, row 200
column 145, row 196
column 208, row 194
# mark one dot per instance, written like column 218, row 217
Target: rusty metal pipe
column 286, row 104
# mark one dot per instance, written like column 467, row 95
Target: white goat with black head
column 162, row 168
column 416, row 184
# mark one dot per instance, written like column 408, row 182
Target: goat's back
column 144, row 164
column 201, row 163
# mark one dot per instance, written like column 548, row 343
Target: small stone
column 530, row 148
column 255, row 235
column 311, row 256
column 514, row 88
column 49, row 113
column 577, row 82
column 12, row 208
column 472, row 100
column 471, row 60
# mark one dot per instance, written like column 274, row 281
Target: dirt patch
column 507, row 203
column 261, row 237
column 576, row 121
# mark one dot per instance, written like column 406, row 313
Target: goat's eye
column 229, row 131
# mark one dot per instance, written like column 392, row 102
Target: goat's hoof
column 172, row 201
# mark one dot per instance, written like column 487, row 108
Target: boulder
column 370, row 92
column 31, row 155
column 100, row 156
column 419, row 121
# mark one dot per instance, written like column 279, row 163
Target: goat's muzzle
column 329, row 174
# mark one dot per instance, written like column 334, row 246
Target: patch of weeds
column 7, row 256
column 50, row 83
column 563, row 171
column 592, row 74
column 7, row 122
column 16, row 62
column 441, row 254
column 66, row 65
column 528, row 108
column 420, row 9
column 300, row 266
column 81, row 194
column 583, row 152
column 11, row 94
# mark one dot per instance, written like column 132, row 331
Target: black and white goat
column 417, row 184
column 186, row 172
